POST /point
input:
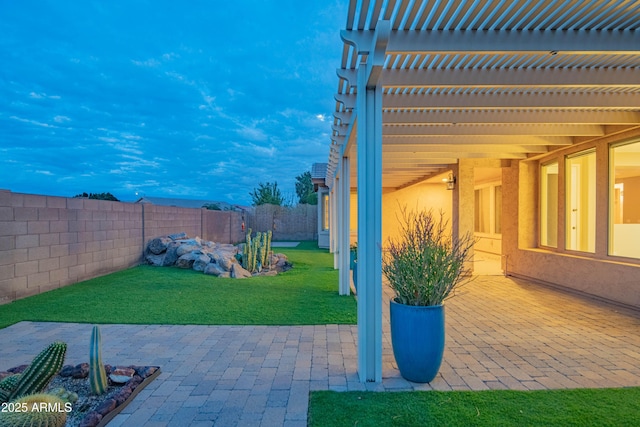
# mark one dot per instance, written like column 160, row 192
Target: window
column 549, row 205
column 482, row 210
column 488, row 209
column 580, row 202
column 624, row 193
column 325, row 212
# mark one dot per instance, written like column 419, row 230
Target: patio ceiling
column 489, row 79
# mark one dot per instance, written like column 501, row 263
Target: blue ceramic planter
column 417, row 337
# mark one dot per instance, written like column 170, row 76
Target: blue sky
column 195, row 99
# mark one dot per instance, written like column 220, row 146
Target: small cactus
column 66, row 395
column 97, row 374
column 40, row 410
column 42, row 369
column 7, row 386
column 10, row 383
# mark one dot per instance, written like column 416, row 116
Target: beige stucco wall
column 420, row 196
column 598, row 274
column 416, row 197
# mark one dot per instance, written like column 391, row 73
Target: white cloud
column 33, row 122
column 150, row 63
column 61, row 119
column 42, row 95
column 252, row 133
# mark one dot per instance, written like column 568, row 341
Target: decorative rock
column 237, row 272
column 146, row 371
column 155, row 260
column 106, row 407
column 178, row 236
column 185, row 248
column 122, row 395
column 78, row 371
column 187, row 260
column 18, row 369
column 200, row 262
column 224, row 258
column 121, row 375
column 171, row 255
column 92, row 419
column 213, row 269
column 159, row 245
column 212, row 258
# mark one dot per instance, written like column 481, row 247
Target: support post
column 335, row 212
column 344, row 229
column 369, row 108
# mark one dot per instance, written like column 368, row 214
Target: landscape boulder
column 216, row 259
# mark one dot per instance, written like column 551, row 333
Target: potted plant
column 424, row 265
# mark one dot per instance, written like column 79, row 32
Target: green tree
column 98, row 196
column 268, row 193
column 304, row 189
column 212, row 206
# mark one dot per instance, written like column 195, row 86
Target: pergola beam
column 516, row 117
column 438, row 148
column 527, row 78
column 538, row 129
column 539, row 100
column 503, row 41
column 392, row 157
column 479, row 141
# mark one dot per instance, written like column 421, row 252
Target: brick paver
column 501, row 334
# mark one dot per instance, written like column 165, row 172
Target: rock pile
column 217, row 259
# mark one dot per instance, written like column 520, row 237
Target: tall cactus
column 256, row 250
column 265, row 247
column 97, row 374
column 246, row 251
column 42, row 369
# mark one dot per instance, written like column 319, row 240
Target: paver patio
column 501, row 333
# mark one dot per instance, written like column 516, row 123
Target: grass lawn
column 577, row 407
column 305, row 295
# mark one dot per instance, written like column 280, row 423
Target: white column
column 334, row 221
column 369, row 140
column 331, row 190
column 344, row 229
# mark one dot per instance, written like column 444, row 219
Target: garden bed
column 91, row 410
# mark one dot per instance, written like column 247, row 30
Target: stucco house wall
column 598, row 274
column 427, row 196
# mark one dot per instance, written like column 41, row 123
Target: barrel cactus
column 97, row 373
column 36, row 410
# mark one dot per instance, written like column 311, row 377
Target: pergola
column 424, row 84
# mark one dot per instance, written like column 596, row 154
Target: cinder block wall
column 163, row 220
column 48, row 242
column 222, row 226
column 287, row 223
